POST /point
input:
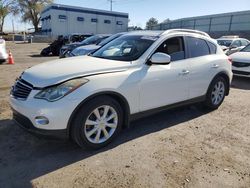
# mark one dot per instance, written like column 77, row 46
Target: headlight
column 55, row 93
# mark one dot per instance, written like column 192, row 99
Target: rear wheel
column 97, row 123
column 216, row 93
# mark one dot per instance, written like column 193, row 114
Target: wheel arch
column 225, row 76
column 117, row 96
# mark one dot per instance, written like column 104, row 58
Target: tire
column 87, row 127
column 45, row 52
column 216, row 93
column 2, row 61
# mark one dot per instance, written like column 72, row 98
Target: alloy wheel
column 218, row 93
column 101, row 124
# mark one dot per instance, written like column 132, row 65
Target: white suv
column 91, row 98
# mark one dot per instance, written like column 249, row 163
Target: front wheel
column 216, row 93
column 97, row 123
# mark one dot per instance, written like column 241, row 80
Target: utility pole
column 111, row 4
column 13, row 38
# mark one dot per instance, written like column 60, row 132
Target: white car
column 3, row 53
column 91, row 98
column 232, row 44
column 241, row 62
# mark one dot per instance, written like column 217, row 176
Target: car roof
column 230, row 38
column 145, row 33
column 166, row 32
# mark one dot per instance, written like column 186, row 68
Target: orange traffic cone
column 11, row 59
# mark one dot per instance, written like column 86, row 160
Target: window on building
column 80, row 19
column 62, row 17
column 197, row 47
column 94, row 20
column 107, row 21
column 173, row 47
column 119, row 23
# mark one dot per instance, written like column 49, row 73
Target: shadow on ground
column 241, row 83
column 38, row 55
column 24, row 157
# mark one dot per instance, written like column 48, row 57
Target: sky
column 141, row 10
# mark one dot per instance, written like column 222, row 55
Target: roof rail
column 230, row 36
column 187, row 31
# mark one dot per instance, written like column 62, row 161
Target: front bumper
column 26, row 124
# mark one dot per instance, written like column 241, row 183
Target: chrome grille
column 21, row 89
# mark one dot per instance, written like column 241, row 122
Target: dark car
column 91, row 40
column 76, row 37
column 55, row 46
column 86, row 49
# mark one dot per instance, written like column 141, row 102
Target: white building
column 63, row 20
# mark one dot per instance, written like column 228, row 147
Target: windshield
column 125, row 48
column 107, row 40
column 81, row 51
column 226, row 43
column 91, row 40
column 246, row 49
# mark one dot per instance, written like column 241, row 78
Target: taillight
column 230, row 60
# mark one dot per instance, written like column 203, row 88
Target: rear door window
column 197, row 47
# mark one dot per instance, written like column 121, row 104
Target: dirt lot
column 185, row 147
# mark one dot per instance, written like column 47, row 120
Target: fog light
column 41, row 120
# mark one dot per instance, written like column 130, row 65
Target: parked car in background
column 90, row 40
column 75, row 37
column 232, row 44
column 91, row 98
column 55, row 46
column 3, row 53
column 241, row 62
column 84, row 50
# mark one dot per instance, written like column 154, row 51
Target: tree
column 6, row 7
column 151, row 22
column 31, row 10
column 166, row 20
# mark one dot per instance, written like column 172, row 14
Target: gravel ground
column 185, row 147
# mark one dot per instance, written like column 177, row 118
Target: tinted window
column 226, row 43
column 173, row 47
column 236, row 43
column 244, row 42
column 212, row 48
column 197, row 47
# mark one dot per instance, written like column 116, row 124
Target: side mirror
column 160, row 58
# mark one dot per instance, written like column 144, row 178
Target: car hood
column 243, row 57
column 57, row 71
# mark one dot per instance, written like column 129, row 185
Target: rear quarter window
column 212, row 47
column 197, row 47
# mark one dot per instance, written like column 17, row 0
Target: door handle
column 215, row 66
column 184, row 72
